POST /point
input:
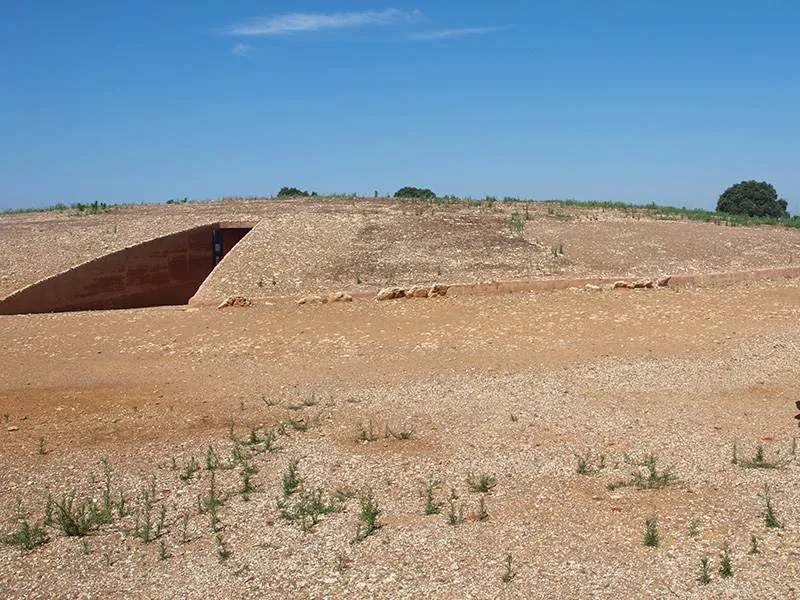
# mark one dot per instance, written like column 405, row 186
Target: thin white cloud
column 242, row 50
column 299, row 22
column 443, row 34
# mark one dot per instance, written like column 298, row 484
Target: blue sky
column 140, row 101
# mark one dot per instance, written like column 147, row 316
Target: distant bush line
column 653, row 210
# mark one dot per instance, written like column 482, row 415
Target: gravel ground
column 515, row 387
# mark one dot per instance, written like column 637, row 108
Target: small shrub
column 483, row 483
column 307, row 508
column 212, row 460
column 647, row 476
column 770, row 518
column 587, row 466
column 27, row 537
column 163, row 553
column 74, row 520
column 759, row 460
column 366, row 434
column 694, row 528
column 368, row 518
column 705, row 575
column 651, row 532
column 455, row 515
column 517, row 223
column 481, row 514
column 402, row 434
column 754, row 545
column 291, row 479
column 726, row 562
column 191, row 468
column 508, row 571
column 432, row 507
column 223, row 553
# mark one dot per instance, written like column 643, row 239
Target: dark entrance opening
column 226, row 238
column 160, row 272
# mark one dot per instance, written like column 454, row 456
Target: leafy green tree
column 293, row 192
column 414, row 192
column 753, row 198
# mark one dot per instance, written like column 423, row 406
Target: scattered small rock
column 622, row 284
column 417, row 291
column 663, row 281
column 339, row 297
column 238, row 301
column 390, row 293
column 13, row 428
column 591, row 286
column 438, row 289
column 643, row 283
column 311, row 300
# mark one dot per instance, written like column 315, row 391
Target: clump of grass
column 73, row 519
column 432, row 506
column 300, row 425
column 291, row 479
column 223, row 552
column 366, row 434
column 212, row 459
column 759, row 461
column 481, row 483
column 120, row 505
column 726, row 562
column 402, row 434
column 517, row 223
column 144, row 525
column 163, row 553
column 211, row 503
column 754, row 545
column 770, row 518
column 509, row 573
column 455, row 514
column 307, row 508
column 694, row 528
column 48, row 510
column 647, row 476
column 586, row 465
column 268, row 442
column 248, row 470
column 481, row 514
column 253, row 438
column 191, row 468
column 705, row 575
column 651, row 538
column 368, row 518
column 27, row 537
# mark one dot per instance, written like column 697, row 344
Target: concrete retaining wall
column 164, row 271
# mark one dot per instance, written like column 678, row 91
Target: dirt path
column 509, row 386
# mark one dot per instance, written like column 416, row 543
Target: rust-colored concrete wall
column 164, row 271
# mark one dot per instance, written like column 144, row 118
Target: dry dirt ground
column 514, row 387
